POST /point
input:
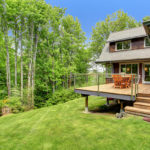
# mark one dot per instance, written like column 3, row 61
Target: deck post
column 132, row 88
column 107, row 102
column 98, row 82
column 86, row 104
column 74, row 81
column 135, row 88
column 121, row 106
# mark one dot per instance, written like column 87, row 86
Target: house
column 126, row 52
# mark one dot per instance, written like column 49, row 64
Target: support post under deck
column 86, row 104
column 121, row 106
column 107, row 102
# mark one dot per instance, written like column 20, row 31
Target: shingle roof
column 139, row 54
column 126, row 55
column 127, row 34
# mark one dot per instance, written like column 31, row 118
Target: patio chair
column 129, row 82
column 117, row 80
column 124, row 82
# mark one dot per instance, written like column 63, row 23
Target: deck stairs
column 141, row 106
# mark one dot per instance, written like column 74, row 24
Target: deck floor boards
column 109, row 88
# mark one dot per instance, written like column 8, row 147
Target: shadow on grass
column 111, row 109
column 104, row 109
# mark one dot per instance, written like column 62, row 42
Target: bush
column 62, row 97
column 13, row 103
column 1, row 105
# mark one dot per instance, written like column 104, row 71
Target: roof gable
column 137, row 54
column 127, row 34
column 126, row 55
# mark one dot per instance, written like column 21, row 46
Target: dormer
column 131, row 39
column 131, row 44
column 146, row 25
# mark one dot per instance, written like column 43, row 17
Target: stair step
column 142, row 105
column 138, row 111
column 143, row 95
column 138, row 114
column 143, row 99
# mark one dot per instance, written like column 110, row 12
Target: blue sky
column 91, row 11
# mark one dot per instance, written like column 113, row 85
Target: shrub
column 1, row 105
column 61, row 97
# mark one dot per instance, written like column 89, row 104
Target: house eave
column 123, row 60
column 129, row 38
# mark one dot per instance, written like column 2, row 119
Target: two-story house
column 126, row 53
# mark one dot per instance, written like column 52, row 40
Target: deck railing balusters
column 135, row 86
column 74, row 81
column 138, row 84
column 132, row 87
column 98, row 82
column 87, row 79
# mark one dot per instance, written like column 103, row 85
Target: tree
column 146, row 18
column 42, row 45
column 116, row 22
column 5, row 27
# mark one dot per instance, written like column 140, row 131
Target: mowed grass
column 66, row 127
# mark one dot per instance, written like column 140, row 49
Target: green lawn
column 66, row 127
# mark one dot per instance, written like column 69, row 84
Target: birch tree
column 5, row 28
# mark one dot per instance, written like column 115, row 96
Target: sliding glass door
column 129, row 68
column 146, row 73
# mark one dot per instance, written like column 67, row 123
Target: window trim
column 145, row 42
column 131, row 67
column 122, row 46
column 107, row 73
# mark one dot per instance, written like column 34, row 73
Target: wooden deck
column 108, row 90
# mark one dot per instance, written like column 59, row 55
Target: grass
column 66, row 127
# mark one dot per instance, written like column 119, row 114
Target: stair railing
column 134, row 86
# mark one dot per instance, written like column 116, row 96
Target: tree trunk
column 53, row 67
column 21, row 57
column 30, row 64
column 7, row 62
column 16, row 52
column 33, row 67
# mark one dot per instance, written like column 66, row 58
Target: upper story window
column 124, row 45
column 147, row 42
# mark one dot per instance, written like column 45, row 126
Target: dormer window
column 124, row 45
column 147, row 42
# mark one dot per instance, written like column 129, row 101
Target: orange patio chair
column 117, row 80
column 124, row 82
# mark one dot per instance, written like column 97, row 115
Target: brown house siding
column 140, row 72
column 116, row 70
column 112, row 47
column 137, row 43
column 116, row 67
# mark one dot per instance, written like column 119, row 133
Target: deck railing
column 98, row 79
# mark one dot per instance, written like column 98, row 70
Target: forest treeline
column 41, row 49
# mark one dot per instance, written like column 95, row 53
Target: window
column 119, row 46
column 108, row 70
column 147, row 42
column 129, row 68
column 123, row 68
column 135, row 68
column 125, row 45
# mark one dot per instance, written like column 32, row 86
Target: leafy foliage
column 40, row 49
column 146, row 18
column 61, row 96
column 116, row 22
